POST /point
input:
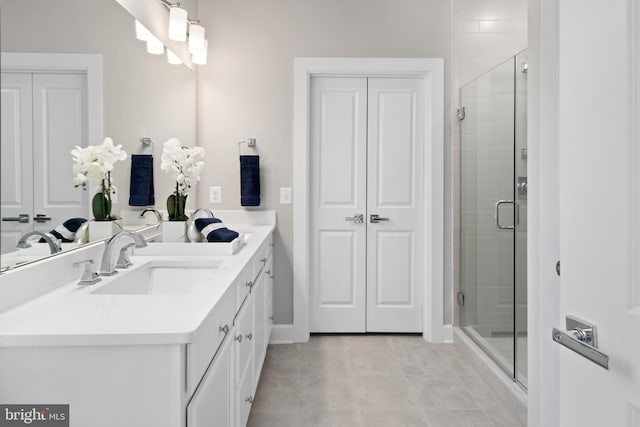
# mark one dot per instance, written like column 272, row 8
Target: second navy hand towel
column 250, row 180
column 141, row 186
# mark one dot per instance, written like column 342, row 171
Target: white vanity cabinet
column 205, row 379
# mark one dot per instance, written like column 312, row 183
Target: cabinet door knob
column 249, row 284
column 264, row 260
column 249, row 336
column 224, row 329
column 239, row 338
column 249, row 399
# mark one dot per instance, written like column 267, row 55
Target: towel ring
column 251, row 143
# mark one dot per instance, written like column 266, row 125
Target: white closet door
column 16, row 157
column 338, row 191
column 395, row 193
column 59, row 117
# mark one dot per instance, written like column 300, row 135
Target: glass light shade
column 200, row 58
column 177, row 24
column 172, row 58
column 196, row 38
column 141, row 32
column 155, row 46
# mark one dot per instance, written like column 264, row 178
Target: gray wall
column 143, row 94
column 246, row 89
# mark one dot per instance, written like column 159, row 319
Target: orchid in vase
column 93, row 165
column 186, row 164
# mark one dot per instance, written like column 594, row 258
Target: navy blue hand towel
column 250, row 180
column 67, row 231
column 214, row 230
column 141, row 187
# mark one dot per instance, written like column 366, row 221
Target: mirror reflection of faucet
column 157, row 214
column 54, row 244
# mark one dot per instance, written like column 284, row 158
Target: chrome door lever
column 42, row 218
column 356, row 218
column 582, row 338
column 21, row 218
column 375, row 218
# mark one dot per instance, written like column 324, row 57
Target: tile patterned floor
column 374, row 381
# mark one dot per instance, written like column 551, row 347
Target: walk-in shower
column 493, row 214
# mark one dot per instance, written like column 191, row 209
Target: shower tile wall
column 487, row 165
column 484, row 34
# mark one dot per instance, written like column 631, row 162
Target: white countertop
column 72, row 315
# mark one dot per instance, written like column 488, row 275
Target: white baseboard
column 282, row 334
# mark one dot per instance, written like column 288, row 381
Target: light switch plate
column 215, row 194
column 285, row 195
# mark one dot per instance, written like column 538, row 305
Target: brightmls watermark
column 34, row 415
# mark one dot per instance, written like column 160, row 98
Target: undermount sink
column 162, row 277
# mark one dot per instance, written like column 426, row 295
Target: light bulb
column 177, row 24
column 155, row 46
column 196, row 38
column 141, row 32
column 172, row 58
column 200, row 58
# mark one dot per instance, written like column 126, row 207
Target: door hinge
column 460, row 298
column 461, row 113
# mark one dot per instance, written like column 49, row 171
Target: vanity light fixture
column 177, row 23
column 154, row 46
column 196, row 37
column 172, row 58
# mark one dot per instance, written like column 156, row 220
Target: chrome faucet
column 158, row 214
column 107, row 267
column 54, row 246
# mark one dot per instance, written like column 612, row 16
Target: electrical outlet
column 215, row 194
column 285, row 195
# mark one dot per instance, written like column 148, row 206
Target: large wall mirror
column 142, row 96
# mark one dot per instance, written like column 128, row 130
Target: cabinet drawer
column 244, row 336
column 262, row 256
column 201, row 351
column 243, row 285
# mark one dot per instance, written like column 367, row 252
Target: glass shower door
column 488, row 214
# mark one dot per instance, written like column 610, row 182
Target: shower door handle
column 497, row 214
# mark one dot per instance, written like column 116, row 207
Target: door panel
column 338, row 246
column 398, row 245
column 598, row 209
column 59, row 125
column 16, row 156
column 336, row 253
column 395, row 192
column 395, row 143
